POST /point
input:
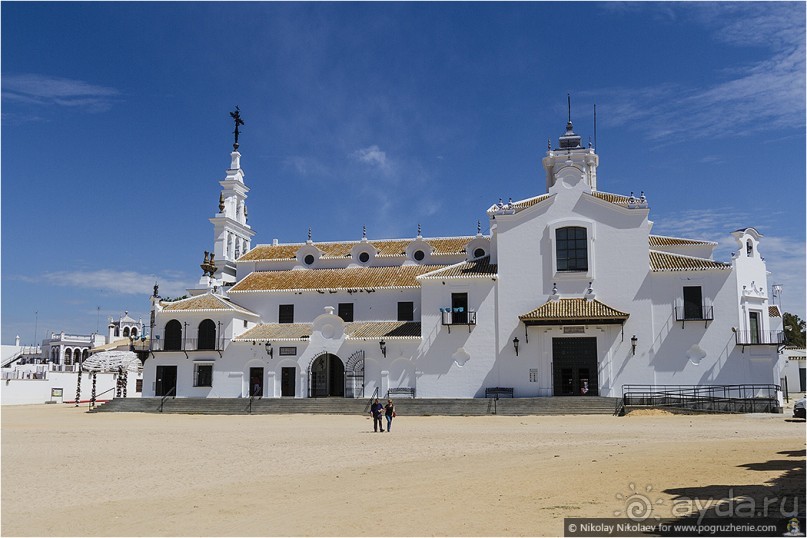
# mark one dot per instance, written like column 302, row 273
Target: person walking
column 389, row 413
column 376, row 410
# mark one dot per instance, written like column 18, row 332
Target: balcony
column 758, row 338
column 189, row 344
column 694, row 312
column 458, row 316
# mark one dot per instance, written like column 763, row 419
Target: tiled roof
column 473, row 269
column 613, row 198
column 574, row 310
column 664, row 261
column 664, row 241
column 355, row 330
column 773, row 311
column 334, row 279
column 277, row 331
column 529, row 202
column 205, row 302
column 383, row 329
column 387, row 247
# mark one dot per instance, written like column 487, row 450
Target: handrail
column 165, row 397
column 91, row 403
column 715, row 398
column 373, row 397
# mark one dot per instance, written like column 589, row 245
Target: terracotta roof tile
column 358, row 329
column 387, row 247
column 665, row 261
column 773, row 311
column 334, row 279
column 664, row 241
column 205, row 302
column 574, row 310
column 472, row 269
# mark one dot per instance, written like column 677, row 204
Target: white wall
column 37, row 391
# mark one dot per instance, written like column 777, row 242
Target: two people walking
column 377, row 410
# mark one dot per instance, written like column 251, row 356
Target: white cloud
column 753, row 97
column 46, row 90
column 121, row 282
column 374, row 157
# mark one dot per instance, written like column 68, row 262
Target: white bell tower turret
column 571, row 163
column 233, row 236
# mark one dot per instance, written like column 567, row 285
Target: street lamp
column 515, row 345
column 269, row 350
column 383, row 345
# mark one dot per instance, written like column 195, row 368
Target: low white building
column 569, row 294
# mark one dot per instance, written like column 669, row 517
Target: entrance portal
column 287, row 377
column 256, row 382
column 574, row 366
column 327, row 376
column 166, row 381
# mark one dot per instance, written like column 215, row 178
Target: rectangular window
column 138, row 385
column 345, row 311
column 693, row 302
column 288, row 350
column 286, row 313
column 571, row 248
column 533, row 375
column 406, row 311
column 203, row 375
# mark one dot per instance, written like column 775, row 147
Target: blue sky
column 115, row 130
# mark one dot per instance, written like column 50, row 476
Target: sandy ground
column 68, row 473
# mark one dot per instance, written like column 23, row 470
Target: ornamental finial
column 364, row 231
column 309, row 234
column 478, row 227
column 419, row 235
column 236, row 116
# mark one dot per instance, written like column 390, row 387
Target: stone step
column 411, row 407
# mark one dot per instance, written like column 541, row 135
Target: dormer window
column 479, row 253
column 419, row 255
column 364, row 257
column 571, row 248
column 309, row 259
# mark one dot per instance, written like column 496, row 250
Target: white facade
column 570, row 294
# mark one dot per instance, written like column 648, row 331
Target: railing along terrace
column 759, row 338
column 743, row 398
column 189, row 344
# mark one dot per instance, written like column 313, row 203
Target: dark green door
column 574, row 366
column 166, row 380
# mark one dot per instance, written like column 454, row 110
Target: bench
column 495, row 392
column 402, row 390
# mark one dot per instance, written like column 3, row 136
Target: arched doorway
column 326, row 375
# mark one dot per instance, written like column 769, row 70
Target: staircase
column 559, row 405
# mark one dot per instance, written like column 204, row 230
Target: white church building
column 569, row 294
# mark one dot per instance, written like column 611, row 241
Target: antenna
column 595, row 127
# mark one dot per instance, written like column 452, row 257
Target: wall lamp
column 633, row 341
column 383, row 345
column 269, row 350
column 515, row 345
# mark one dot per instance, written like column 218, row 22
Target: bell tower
column 232, row 234
column 575, row 163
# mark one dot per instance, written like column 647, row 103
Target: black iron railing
column 759, row 338
column 189, row 344
column 745, row 398
column 376, row 392
column 701, row 312
column 457, row 316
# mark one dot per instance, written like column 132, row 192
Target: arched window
column 571, row 248
column 207, row 334
column 85, row 355
column 134, row 332
column 68, row 356
column 749, row 248
column 173, row 336
column 126, row 332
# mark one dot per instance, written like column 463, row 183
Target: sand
column 69, row 473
